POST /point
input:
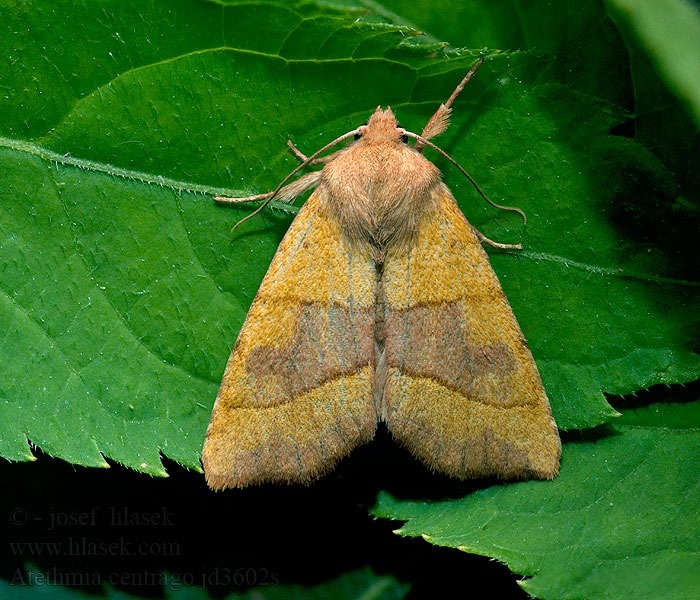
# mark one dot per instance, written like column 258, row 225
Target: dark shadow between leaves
column 678, row 393
column 88, row 528
column 586, row 436
column 393, row 469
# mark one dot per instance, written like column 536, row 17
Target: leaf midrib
column 208, row 190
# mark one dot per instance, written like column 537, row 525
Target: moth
column 379, row 305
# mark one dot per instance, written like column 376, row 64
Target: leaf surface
column 123, row 291
column 619, row 521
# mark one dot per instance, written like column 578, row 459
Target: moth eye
column 404, row 138
column 357, row 136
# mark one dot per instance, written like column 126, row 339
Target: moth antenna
column 460, row 87
column 271, row 196
column 464, row 172
column 440, row 121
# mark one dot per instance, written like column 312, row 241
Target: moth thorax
column 379, row 191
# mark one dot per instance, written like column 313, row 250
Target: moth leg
column 484, row 240
column 288, row 193
column 321, row 160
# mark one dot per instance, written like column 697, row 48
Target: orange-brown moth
column 380, row 304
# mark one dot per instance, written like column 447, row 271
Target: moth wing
column 297, row 392
column 462, row 390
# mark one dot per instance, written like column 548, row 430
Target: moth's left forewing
column 463, row 392
column 297, row 392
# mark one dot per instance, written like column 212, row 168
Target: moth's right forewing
column 296, row 395
column 463, row 392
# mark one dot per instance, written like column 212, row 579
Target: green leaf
column 619, row 521
column 123, row 291
column 355, row 585
column 662, row 121
column 669, row 31
column 577, row 42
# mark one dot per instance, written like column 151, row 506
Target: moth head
column 382, row 125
